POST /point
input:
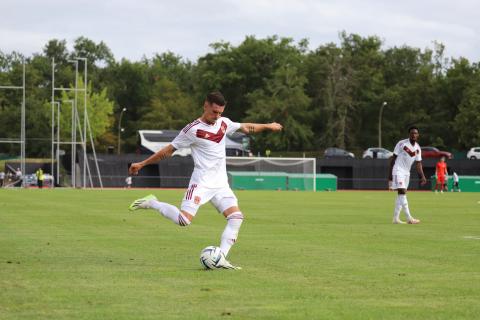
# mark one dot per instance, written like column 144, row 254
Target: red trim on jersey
column 215, row 137
column 190, row 125
column 190, row 192
column 410, row 152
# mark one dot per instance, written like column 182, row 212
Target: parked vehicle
column 338, row 153
column 378, row 153
column 432, row 152
column 473, row 153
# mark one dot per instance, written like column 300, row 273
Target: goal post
column 265, row 173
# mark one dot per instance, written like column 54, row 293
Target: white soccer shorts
column 196, row 195
column 400, row 181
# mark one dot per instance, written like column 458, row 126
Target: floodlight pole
column 120, row 129
column 84, row 121
column 83, row 144
column 73, row 143
column 380, row 124
column 76, row 122
column 74, row 128
column 53, row 117
column 58, row 143
column 57, row 104
column 94, row 153
column 23, row 135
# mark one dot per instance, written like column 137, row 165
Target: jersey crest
column 215, row 137
column 197, row 200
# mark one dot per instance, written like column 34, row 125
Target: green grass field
column 73, row 254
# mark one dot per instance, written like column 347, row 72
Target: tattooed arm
column 251, row 128
column 158, row 156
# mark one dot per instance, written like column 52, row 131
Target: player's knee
column 236, row 215
column 184, row 220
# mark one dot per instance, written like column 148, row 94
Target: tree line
column 329, row 96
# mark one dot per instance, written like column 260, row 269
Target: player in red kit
column 441, row 171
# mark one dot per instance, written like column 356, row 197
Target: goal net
column 259, row 173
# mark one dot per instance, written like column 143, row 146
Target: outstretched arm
column 250, row 128
column 420, row 172
column 163, row 153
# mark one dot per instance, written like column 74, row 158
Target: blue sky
column 135, row 28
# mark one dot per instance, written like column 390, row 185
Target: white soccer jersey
column 208, row 150
column 455, row 177
column 406, row 154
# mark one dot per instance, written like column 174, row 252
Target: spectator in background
column 40, row 178
column 9, row 177
column 442, row 173
column 2, row 178
column 128, row 182
column 18, row 177
column 455, row 182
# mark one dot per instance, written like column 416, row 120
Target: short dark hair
column 216, row 97
column 412, row 128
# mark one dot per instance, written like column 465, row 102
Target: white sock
column 398, row 209
column 404, row 202
column 169, row 212
column 230, row 234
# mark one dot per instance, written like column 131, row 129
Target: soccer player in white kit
column 406, row 152
column 209, row 182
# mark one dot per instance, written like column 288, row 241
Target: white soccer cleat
column 398, row 221
column 142, row 203
column 413, row 221
column 225, row 264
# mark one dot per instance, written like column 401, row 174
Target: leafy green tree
column 363, row 63
column 327, row 97
column 170, row 108
column 129, row 86
column 346, row 85
column 174, row 68
column 410, row 92
column 284, row 101
column 467, row 121
column 330, row 89
column 95, row 53
column 57, row 49
column 10, row 101
column 239, row 71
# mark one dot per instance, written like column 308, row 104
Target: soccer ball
column 211, row 257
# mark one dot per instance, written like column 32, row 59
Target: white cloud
column 132, row 29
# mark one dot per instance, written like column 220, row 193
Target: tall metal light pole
column 120, row 129
column 380, row 124
column 85, row 83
